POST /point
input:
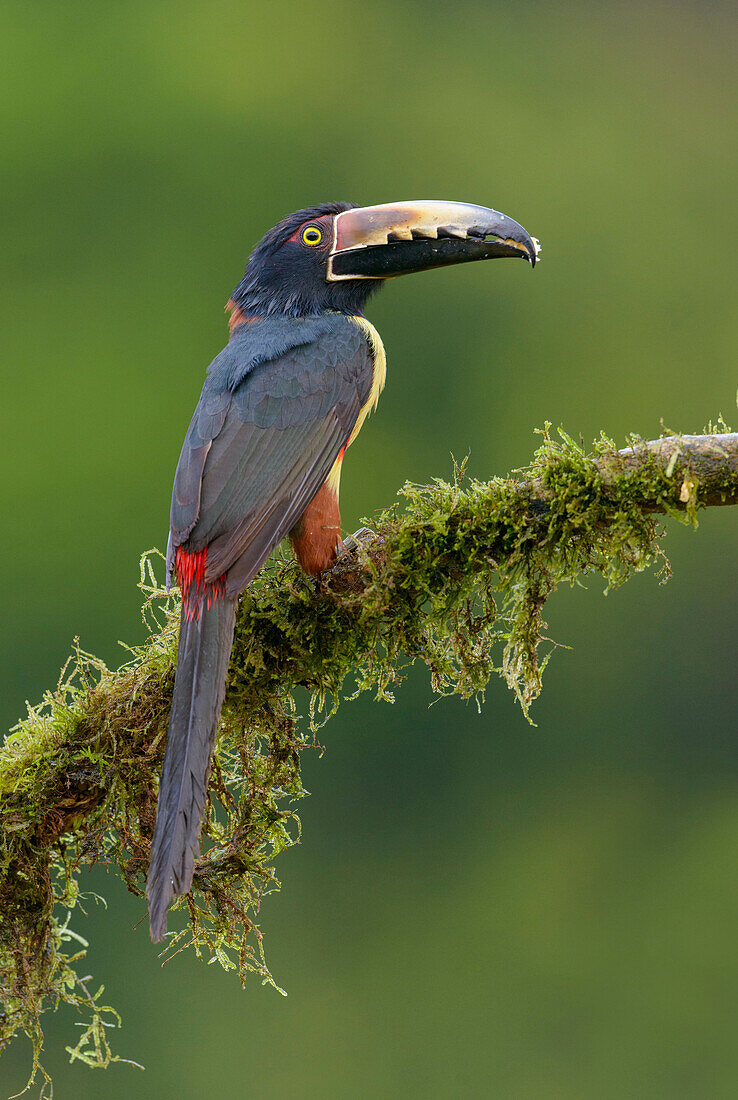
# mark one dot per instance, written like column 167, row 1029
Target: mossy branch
column 458, row 578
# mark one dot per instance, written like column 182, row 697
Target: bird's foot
column 345, row 557
column 347, row 553
column 354, row 542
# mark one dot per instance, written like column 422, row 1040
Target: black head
column 332, row 256
column 287, row 271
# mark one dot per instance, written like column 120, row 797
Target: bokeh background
column 479, row 907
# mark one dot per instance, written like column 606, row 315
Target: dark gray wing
column 255, row 455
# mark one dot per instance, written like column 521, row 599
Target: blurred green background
column 479, row 907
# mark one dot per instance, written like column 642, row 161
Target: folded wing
column 258, row 451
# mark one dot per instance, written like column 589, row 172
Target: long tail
column 205, row 642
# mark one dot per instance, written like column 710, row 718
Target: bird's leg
column 359, row 538
column 346, row 554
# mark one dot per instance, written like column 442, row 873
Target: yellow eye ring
column 312, row 235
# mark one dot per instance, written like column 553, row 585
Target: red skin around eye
column 323, row 224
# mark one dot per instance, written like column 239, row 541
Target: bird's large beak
column 378, row 242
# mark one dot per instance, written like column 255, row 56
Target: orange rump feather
column 316, row 536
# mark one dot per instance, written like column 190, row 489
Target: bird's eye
column 312, row 235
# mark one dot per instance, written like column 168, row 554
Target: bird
column 262, row 457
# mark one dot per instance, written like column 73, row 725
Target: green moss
column 457, row 577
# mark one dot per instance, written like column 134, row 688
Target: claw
column 359, row 538
column 348, row 550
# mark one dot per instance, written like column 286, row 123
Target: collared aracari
column 262, row 457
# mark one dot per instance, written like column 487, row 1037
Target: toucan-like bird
column 262, row 456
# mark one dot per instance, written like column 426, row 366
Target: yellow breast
column 333, row 480
column 380, row 372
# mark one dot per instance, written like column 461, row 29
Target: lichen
column 457, row 576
